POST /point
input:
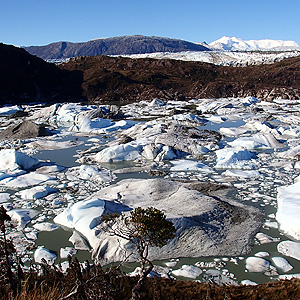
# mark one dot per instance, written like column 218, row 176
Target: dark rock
column 24, row 130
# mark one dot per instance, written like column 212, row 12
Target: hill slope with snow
column 237, row 44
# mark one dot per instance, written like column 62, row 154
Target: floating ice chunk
column 216, row 119
column 265, row 239
column 4, row 197
column 262, row 254
column 99, row 125
column 233, row 131
column 257, row 264
column 271, row 224
column 79, row 242
column 43, row 144
column 91, row 173
column 65, row 114
column 22, row 216
column 9, row 110
column 36, row 192
column 248, row 282
column 129, row 151
column 241, row 173
column 46, row 226
column 167, row 153
column 190, row 165
column 289, row 276
column 256, row 141
column 11, row 159
column 41, row 253
column 282, row 263
column 67, row 251
column 83, row 216
column 171, row 264
column 234, row 158
column 156, row 102
column 26, row 180
column 291, row 153
column 188, row 271
column 50, row 169
column 289, row 248
column 288, row 209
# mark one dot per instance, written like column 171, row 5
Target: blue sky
column 32, row 22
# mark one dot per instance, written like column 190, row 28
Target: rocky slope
column 119, row 80
column 26, row 78
column 113, row 46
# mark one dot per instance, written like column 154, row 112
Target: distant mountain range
column 113, row 46
column 236, row 44
column 139, row 44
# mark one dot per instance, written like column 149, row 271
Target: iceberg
column 11, row 159
column 234, row 158
column 288, row 209
column 41, row 254
column 188, row 271
column 257, row 264
column 83, row 216
column 129, row 151
column 289, row 248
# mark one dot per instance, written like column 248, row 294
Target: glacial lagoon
column 268, row 131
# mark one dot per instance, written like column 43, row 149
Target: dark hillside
column 26, row 78
column 119, row 79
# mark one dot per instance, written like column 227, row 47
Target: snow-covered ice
column 288, row 210
column 188, row 271
column 11, row 159
column 257, row 264
column 235, row 158
column 289, row 248
column 45, row 226
column 83, row 216
column 36, row 192
column 282, row 263
column 42, row 253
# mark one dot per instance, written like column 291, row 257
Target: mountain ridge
column 135, row 44
column 238, row 44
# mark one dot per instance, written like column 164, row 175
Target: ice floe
column 9, row 110
column 190, row 165
column 282, row 263
column 45, row 226
column 235, row 158
column 83, row 216
column 36, row 192
column 21, row 217
column 288, row 201
column 188, row 272
column 42, row 254
column 257, row 265
column 11, row 159
column 289, row 248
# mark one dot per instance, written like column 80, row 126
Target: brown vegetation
column 121, row 80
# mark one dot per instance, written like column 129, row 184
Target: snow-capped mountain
column 236, row 44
